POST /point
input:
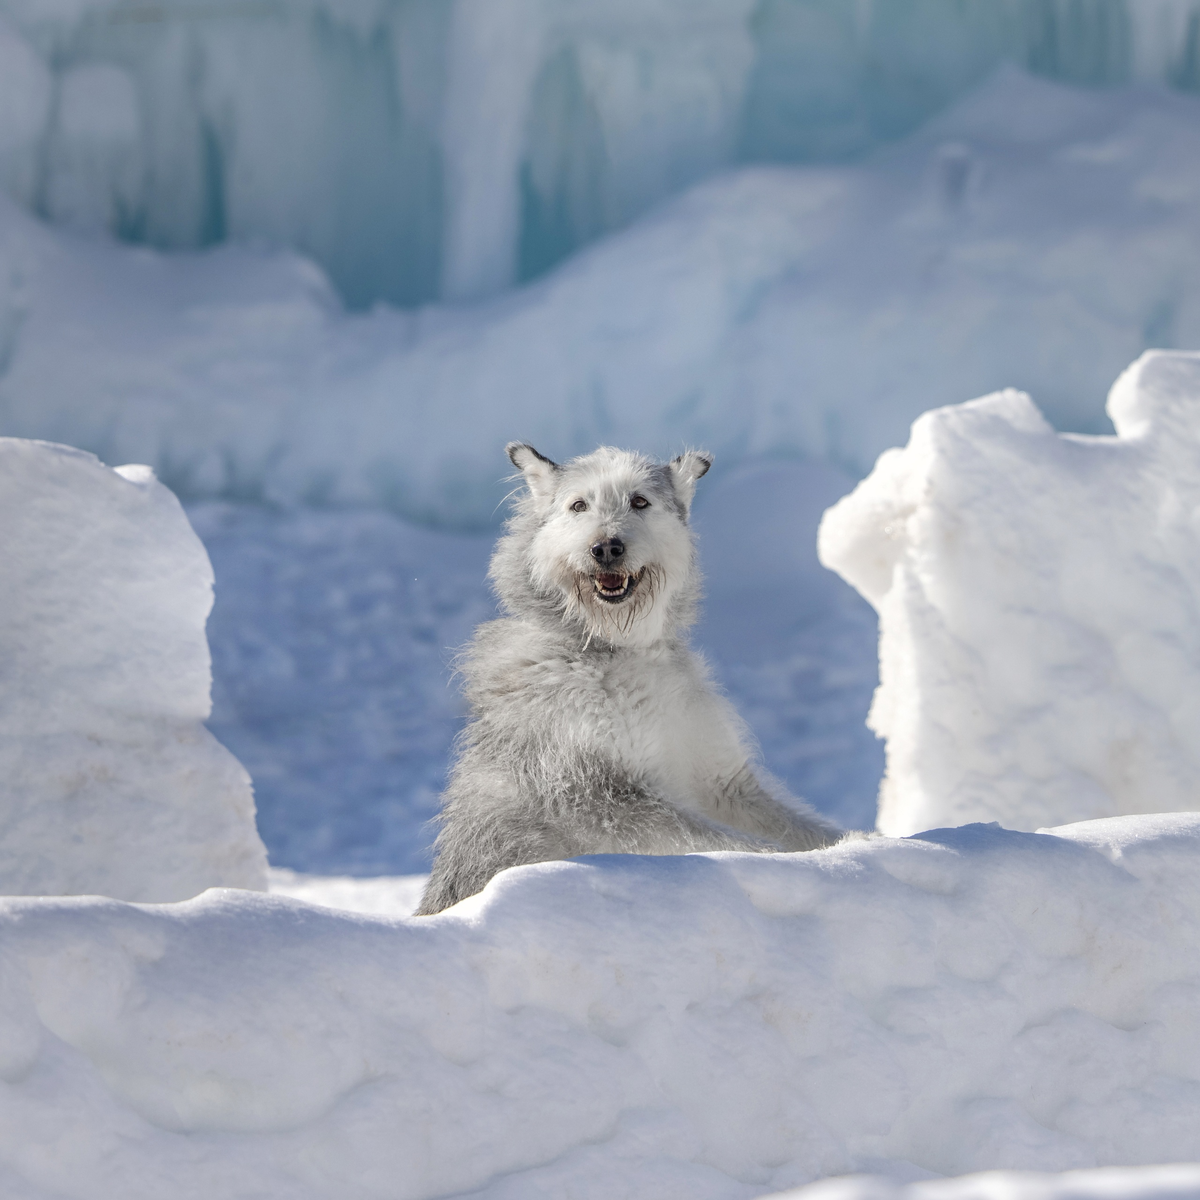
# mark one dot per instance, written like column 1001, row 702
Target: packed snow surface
column 1039, row 607
column 707, row 1026
column 109, row 781
column 1034, row 235
column 446, row 148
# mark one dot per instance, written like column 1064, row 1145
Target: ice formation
column 110, row 782
column 428, row 148
column 1039, row 607
column 1035, row 236
column 715, row 1027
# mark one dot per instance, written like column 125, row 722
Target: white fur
column 595, row 729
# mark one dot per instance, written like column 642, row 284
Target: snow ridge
column 715, row 1026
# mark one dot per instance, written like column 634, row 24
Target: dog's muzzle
column 613, row 587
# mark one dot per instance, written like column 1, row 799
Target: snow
column 25, row 91
column 785, row 260
column 1039, row 605
column 377, row 895
column 334, row 633
column 707, row 1026
column 1178, row 1182
column 111, row 783
column 1035, row 236
column 425, row 149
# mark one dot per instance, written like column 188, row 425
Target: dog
column 594, row 728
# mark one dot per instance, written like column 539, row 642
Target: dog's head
column 605, row 540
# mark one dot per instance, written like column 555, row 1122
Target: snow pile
column 1035, row 235
column 1039, row 606
column 446, row 148
column 109, row 783
column 706, row 1026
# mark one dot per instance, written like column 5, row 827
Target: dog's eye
column 579, row 506
column 640, row 502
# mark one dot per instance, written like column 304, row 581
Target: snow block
column 714, row 1027
column 1039, row 606
column 109, row 782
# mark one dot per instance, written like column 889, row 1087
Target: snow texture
column 423, row 149
column 378, row 895
column 334, row 634
column 1039, row 607
column 1035, row 236
column 1178, row 1182
column 111, row 783
column 707, row 1026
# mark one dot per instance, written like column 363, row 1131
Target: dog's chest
column 648, row 713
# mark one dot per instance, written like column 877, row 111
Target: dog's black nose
column 608, row 551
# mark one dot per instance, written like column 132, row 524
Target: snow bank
column 706, row 1027
column 1034, row 236
column 109, row 783
column 1039, row 606
column 426, row 148
column 1179, row 1182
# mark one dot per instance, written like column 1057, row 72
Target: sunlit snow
column 111, row 783
column 314, row 262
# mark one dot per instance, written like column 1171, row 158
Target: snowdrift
column 705, row 1026
column 1039, row 607
column 1034, row 236
column 109, row 782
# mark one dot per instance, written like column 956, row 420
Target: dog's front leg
column 742, row 802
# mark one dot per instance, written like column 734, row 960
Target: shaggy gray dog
column 594, row 728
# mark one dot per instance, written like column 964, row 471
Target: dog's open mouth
column 615, row 586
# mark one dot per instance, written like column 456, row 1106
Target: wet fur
column 594, row 727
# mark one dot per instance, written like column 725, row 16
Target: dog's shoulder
column 511, row 660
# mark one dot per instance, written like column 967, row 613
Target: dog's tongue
column 610, row 581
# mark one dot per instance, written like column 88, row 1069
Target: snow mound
column 1039, row 607
column 1034, row 235
column 109, row 782
column 708, row 1026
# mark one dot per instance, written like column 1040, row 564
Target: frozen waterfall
column 424, row 149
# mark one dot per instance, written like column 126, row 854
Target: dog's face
column 612, row 538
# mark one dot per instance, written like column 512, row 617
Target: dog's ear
column 685, row 470
column 540, row 473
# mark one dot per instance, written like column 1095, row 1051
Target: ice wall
column 445, row 148
column 109, row 782
column 1039, row 607
column 1034, row 235
column 715, row 1027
